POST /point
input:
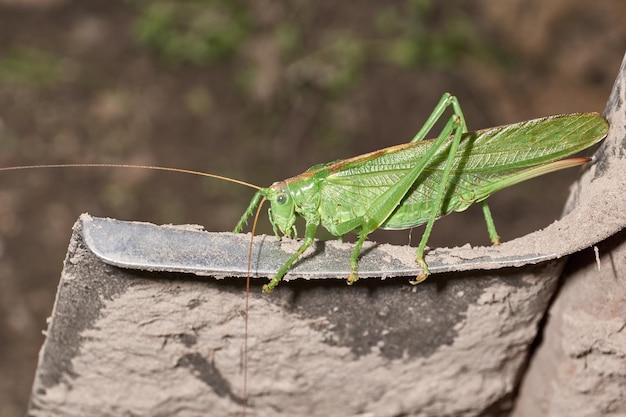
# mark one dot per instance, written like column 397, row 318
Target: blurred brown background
column 257, row 90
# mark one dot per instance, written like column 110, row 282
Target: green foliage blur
column 413, row 34
column 192, row 31
column 31, row 66
column 420, row 35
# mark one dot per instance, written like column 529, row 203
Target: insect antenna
column 245, row 340
column 149, row 167
column 192, row 172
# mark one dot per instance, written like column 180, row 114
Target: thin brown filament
column 150, row 167
column 202, row 174
column 246, row 317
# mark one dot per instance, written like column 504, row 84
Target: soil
column 103, row 97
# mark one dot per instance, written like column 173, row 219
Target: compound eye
column 281, row 198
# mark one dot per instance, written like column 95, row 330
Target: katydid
column 416, row 183
column 408, row 185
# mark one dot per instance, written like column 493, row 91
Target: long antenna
column 202, row 174
column 245, row 340
column 151, row 167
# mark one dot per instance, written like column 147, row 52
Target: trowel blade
column 145, row 246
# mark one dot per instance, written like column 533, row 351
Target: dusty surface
column 110, row 100
column 164, row 344
column 580, row 368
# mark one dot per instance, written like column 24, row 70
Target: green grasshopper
column 418, row 182
column 407, row 185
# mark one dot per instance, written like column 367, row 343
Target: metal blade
column 145, row 246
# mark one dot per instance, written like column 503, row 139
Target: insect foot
column 425, row 273
column 352, row 278
column 268, row 288
column 418, row 280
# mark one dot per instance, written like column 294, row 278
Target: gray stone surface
column 165, row 344
column 580, row 369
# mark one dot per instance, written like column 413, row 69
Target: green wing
column 487, row 161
